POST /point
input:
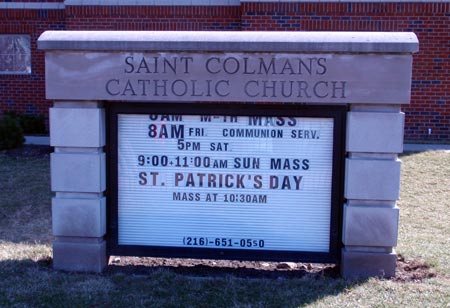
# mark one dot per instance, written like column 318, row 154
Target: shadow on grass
column 25, row 281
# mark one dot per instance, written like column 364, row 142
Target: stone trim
column 216, row 2
column 348, row 42
column 32, row 5
column 154, row 2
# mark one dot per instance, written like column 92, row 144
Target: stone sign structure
column 141, row 118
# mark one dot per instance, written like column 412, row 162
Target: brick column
column 78, row 178
column 372, row 183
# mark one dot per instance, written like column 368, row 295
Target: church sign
column 227, row 145
column 206, row 181
column 229, row 77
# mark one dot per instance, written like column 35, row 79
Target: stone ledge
column 257, row 41
column 367, row 264
column 79, row 256
column 77, row 127
column 370, row 226
column 78, row 172
column 79, row 217
column 154, row 3
column 375, row 132
column 372, row 179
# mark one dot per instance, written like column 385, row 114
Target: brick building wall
column 26, row 93
column 430, row 21
column 430, row 106
column 154, row 18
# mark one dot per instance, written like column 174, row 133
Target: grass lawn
column 27, row 278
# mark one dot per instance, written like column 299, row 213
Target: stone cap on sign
column 334, row 42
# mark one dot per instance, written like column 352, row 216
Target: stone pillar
column 78, row 178
column 372, row 183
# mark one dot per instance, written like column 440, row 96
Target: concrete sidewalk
column 409, row 147
column 37, row 140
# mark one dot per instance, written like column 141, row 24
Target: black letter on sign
column 108, row 89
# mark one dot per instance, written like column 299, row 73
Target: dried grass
column 28, row 280
column 425, row 208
